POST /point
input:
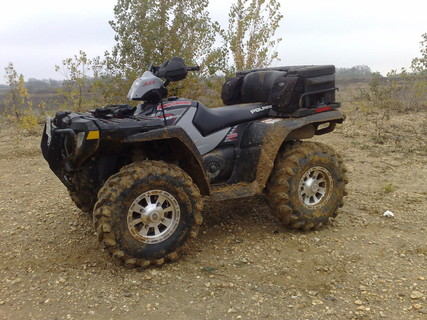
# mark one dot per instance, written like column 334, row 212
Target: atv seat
column 209, row 120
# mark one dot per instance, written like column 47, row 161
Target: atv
column 142, row 171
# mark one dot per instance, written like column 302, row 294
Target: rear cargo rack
column 307, row 94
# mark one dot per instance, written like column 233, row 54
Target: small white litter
column 388, row 214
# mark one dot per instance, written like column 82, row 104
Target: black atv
column 143, row 170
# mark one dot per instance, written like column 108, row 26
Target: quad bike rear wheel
column 307, row 185
column 146, row 212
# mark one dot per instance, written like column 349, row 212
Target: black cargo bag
column 303, row 87
column 231, row 90
column 287, row 89
column 257, row 85
column 285, row 93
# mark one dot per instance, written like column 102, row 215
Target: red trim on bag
column 323, row 109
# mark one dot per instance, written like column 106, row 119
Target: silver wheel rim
column 315, row 187
column 153, row 216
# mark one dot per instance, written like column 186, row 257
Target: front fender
column 183, row 149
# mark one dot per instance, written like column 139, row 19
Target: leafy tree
column 19, row 109
column 17, row 98
column 250, row 34
column 419, row 64
column 153, row 31
column 74, row 90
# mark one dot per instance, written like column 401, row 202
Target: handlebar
column 154, row 68
column 195, row 68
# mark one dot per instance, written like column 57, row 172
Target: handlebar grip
column 195, row 68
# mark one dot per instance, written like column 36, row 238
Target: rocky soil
column 243, row 265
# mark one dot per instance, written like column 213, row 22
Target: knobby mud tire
column 121, row 190
column 284, row 186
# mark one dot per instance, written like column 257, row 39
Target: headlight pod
column 77, row 147
column 80, row 138
column 48, row 130
column 87, row 143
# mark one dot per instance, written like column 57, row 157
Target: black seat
column 209, row 120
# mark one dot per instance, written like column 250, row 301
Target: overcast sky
column 385, row 35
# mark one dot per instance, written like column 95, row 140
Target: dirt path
column 243, row 265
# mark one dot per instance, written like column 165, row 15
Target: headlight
column 49, row 130
column 80, row 139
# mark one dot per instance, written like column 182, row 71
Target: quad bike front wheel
column 307, row 185
column 146, row 212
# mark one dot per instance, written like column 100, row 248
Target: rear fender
column 183, row 150
column 282, row 130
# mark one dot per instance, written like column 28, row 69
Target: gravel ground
column 243, row 265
